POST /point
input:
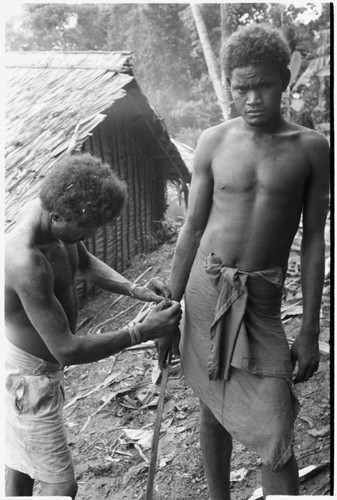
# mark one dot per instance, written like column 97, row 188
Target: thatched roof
column 187, row 154
column 54, row 101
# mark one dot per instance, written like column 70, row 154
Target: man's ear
column 285, row 79
column 55, row 216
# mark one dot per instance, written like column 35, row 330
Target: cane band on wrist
column 132, row 289
column 135, row 334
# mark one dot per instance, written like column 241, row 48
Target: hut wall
column 123, row 142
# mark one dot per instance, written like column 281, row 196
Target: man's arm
column 199, row 205
column 33, row 282
column 305, row 349
column 103, row 276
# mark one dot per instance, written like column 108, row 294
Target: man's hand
column 305, row 357
column 160, row 288
column 165, row 345
column 155, row 290
column 169, row 342
column 163, row 320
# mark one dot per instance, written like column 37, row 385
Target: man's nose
column 253, row 97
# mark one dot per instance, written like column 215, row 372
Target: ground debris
column 320, row 432
column 304, row 474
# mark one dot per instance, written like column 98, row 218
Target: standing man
column 43, row 253
column 253, row 178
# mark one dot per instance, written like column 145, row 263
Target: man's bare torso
column 60, row 262
column 258, row 188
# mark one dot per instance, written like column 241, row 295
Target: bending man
column 43, row 253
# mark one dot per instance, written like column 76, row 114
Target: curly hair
column 84, row 190
column 255, row 44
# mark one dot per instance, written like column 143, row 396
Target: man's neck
column 267, row 130
column 43, row 233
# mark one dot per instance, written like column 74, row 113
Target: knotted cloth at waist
column 247, row 331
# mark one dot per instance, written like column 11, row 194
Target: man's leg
column 216, row 447
column 68, row 488
column 18, row 484
column 283, row 482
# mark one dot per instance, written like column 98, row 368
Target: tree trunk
column 212, row 65
column 226, row 30
column 225, row 27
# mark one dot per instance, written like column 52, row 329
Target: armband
column 135, row 334
column 132, row 289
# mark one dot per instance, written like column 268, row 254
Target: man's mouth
column 255, row 112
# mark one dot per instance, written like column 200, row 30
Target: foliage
column 167, row 229
column 240, row 14
column 313, row 89
column 58, row 27
column 169, row 62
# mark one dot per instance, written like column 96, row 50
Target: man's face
column 257, row 93
column 71, row 232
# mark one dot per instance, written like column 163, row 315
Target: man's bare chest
column 266, row 170
column 63, row 261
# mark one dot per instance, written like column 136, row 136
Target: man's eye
column 241, row 90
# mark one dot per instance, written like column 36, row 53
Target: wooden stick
column 145, row 345
column 155, row 439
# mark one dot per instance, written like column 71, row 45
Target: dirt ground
column 111, row 407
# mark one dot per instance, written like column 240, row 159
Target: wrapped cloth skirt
column 258, row 410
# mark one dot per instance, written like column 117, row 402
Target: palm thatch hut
column 59, row 102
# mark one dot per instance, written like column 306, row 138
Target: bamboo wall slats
column 134, row 160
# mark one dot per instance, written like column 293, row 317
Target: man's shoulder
column 308, row 135
column 316, row 149
column 22, row 261
column 218, row 132
column 223, row 127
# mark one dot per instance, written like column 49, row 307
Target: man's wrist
column 310, row 330
column 132, row 289
column 135, row 333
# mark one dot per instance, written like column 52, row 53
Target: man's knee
column 66, row 489
column 210, row 426
column 207, row 416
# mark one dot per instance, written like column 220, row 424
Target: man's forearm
column 87, row 348
column 105, row 277
column 312, row 279
column 187, row 246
